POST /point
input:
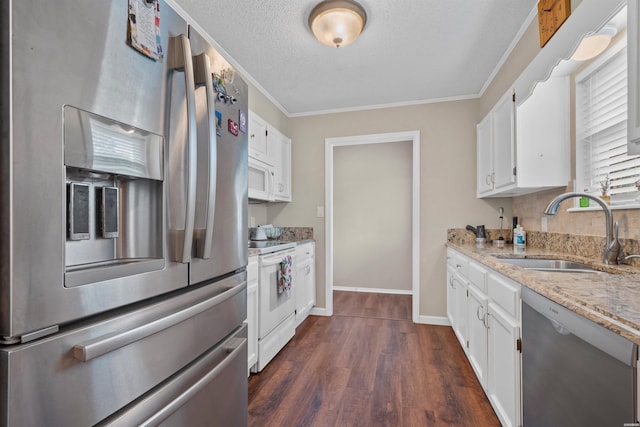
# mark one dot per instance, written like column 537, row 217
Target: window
column 601, row 128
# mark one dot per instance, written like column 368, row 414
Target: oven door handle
column 111, row 342
column 275, row 259
column 204, row 238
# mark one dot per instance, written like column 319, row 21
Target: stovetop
column 268, row 246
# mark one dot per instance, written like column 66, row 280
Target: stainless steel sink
column 555, row 265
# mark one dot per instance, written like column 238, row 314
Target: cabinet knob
column 253, row 135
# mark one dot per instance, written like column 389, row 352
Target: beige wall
column 448, row 183
column 372, row 215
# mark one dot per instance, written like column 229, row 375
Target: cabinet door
column 477, row 333
column 258, row 146
column 633, row 58
column 311, row 285
column 460, row 327
column 504, row 366
column 300, row 292
column 484, row 156
column 543, row 133
column 282, row 148
column 451, row 296
column 503, row 129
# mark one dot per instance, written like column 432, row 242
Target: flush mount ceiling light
column 337, row 23
column 593, row 45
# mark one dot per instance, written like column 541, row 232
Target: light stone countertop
column 610, row 298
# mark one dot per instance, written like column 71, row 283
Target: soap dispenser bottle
column 519, row 236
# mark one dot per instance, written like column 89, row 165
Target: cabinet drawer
column 478, row 276
column 505, row 293
column 458, row 261
column 305, row 250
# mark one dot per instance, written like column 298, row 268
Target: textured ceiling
column 410, row 50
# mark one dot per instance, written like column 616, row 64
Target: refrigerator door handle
column 111, row 342
column 203, row 76
column 180, row 60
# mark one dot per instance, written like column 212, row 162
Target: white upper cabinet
column 633, row 56
column 539, row 128
column 258, row 143
column 272, row 149
column 485, row 155
column 282, row 181
column 543, row 154
column 504, row 144
column 528, row 146
column 495, row 148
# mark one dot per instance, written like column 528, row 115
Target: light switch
column 543, row 224
column 320, row 211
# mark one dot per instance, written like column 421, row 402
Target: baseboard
column 434, row 320
column 426, row 320
column 373, row 290
column 320, row 311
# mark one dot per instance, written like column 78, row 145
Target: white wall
column 372, row 216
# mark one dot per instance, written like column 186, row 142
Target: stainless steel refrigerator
column 123, row 212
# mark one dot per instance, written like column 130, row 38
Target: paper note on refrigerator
column 144, row 27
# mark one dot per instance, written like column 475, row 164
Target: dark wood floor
column 379, row 306
column 362, row 367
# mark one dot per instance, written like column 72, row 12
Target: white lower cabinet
column 487, row 323
column 252, row 312
column 460, row 326
column 477, row 341
column 503, row 370
column 305, row 292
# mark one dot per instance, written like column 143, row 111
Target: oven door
column 274, row 307
column 261, row 180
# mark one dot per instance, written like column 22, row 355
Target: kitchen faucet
column 612, row 247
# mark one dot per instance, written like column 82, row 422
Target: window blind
column 602, row 98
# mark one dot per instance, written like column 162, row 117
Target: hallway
column 361, row 368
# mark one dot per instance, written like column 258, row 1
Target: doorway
column 331, row 146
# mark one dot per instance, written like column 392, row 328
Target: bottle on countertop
column 519, row 236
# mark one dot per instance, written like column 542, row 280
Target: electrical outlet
column 543, row 224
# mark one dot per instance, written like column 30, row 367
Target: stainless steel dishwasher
column 574, row 371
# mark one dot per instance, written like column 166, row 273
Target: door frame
column 330, row 144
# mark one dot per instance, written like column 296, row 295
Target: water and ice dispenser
column 115, row 202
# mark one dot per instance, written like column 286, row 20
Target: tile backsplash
column 529, row 210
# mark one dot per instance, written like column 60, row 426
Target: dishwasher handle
column 559, row 327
